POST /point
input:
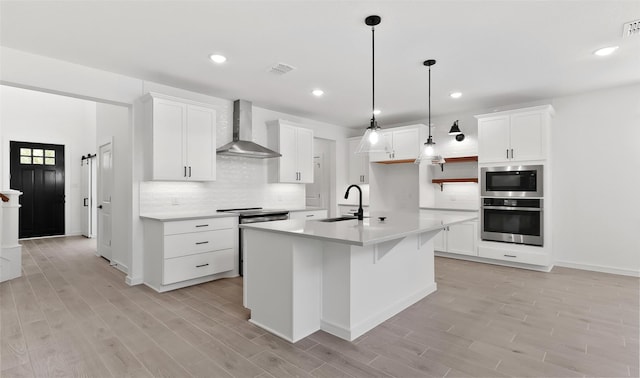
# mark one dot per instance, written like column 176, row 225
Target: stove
column 254, row 215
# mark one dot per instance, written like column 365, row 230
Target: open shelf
column 450, row 180
column 396, row 161
column 461, row 159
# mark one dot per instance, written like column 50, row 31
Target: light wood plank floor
column 71, row 314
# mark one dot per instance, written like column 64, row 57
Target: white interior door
column 85, row 190
column 105, row 190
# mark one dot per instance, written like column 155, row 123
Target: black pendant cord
column 373, row 74
column 429, row 102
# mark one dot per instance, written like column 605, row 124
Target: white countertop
column 178, row 216
column 448, row 209
column 367, row 232
column 307, row 208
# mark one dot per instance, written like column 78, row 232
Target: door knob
column 99, row 206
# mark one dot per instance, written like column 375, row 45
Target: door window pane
column 37, row 152
column 25, row 159
column 49, row 153
column 49, row 161
column 25, row 152
column 38, row 160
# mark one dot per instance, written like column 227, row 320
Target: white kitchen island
column 343, row 277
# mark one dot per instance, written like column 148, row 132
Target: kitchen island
column 344, row 277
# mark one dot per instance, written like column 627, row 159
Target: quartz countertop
column 307, row 208
column 187, row 215
column 361, row 233
column 448, row 209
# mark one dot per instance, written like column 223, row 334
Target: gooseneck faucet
column 360, row 212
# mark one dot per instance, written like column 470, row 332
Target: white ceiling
column 495, row 52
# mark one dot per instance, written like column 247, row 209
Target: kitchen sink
column 338, row 219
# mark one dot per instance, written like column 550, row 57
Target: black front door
column 37, row 170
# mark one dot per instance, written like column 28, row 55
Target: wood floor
column 71, row 314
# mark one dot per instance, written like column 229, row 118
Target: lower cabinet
column 308, row 214
column 515, row 253
column 187, row 252
column 459, row 238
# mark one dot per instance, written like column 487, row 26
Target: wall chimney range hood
column 241, row 145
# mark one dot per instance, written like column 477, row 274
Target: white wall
column 112, row 123
column 596, row 180
column 31, row 116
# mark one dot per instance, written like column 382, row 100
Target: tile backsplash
column 241, row 182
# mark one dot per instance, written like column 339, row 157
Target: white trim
column 132, row 281
column 599, row 268
column 373, row 321
column 538, row 268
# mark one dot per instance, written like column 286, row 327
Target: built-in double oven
column 512, row 205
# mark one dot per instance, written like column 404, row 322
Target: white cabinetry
column 515, row 135
column 358, row 163
column 458, row 238
column 295, row 143
column 181, row 139
column 404, row 142
column 308, row 214
column 187, row 252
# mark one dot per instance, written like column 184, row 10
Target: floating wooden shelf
column 461, row 159
column 396, row 161
column 448, row 180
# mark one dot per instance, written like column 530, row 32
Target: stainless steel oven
column 512, row 181
column 512, row 220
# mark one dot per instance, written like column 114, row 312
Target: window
column 37, row 156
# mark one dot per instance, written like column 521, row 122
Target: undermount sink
column 338, row 219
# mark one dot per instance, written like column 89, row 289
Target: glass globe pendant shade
column 373, row 140
column 428, row 152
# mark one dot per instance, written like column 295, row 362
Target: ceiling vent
column 281, row 69
column 631, row 28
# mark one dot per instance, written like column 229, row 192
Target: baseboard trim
column 537, row 268
column 599, row 268
column 132, row 281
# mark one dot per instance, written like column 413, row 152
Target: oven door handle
column 512, row 208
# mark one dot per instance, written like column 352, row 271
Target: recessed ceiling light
column 605, row 51
column 455, row 94
column 376, row 111
column 218, row 58
column 317, row 92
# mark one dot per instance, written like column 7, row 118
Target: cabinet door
column 168, row 140
column 406, row 144
column 383, row 156
column 288, row 163
column 493, row 139
column 304, row 155
column 440, row 241
column 461, row 238
column 201, row 143
column 358, row 164
column 527, row 138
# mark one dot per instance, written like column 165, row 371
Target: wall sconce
column 455, row 130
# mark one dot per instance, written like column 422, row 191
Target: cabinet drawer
column 515, row 256
column 197, row 242
column 194, row 266
column 197, row 225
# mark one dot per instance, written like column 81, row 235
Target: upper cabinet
column 295, row 143
column 404, row 142
column 515, row 135
column 181, row 139
column 358, row 163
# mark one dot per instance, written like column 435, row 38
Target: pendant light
column 373, row 140
column 455, row 130
column 428, row 151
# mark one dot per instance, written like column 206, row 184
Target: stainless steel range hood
column 241, row 145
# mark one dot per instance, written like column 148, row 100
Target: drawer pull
column 201, row 265
column 202, row 225
column 510, row 256
column 309, row 215
column 204, row 242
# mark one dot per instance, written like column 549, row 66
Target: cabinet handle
column 189, row 171
column 185, row 171
column 309, row 215
column 514, row 256
column 204, row 242
column 507, row 153
column 202, row 225
column 201, row 265
column 512, row 153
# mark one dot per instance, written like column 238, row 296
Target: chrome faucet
column 360, row 212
